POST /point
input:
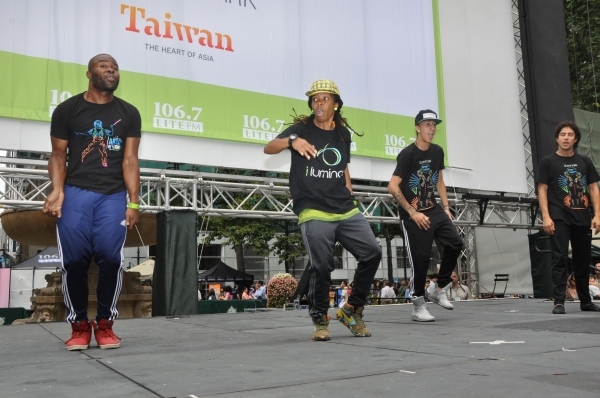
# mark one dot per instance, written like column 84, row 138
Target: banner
column 231, row 70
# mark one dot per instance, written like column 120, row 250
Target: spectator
column 236, row 293
column 350, row 287
column 246, row 294
column 458, row 291
column 571, row 293
column 260, row 292
column 199, row 295
column 376, row 288
column 227, row 295
column 345, row 294
column 212, row 295
column 402, row 291
column 432, row 284
column 594, row 290
column 395, row 287
column 387, row 293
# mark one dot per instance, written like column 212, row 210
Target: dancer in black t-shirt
column 418, row 171
column 567, row 182
column 322, row 191
column 101, row 135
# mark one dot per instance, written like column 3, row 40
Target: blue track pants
column 92, row 226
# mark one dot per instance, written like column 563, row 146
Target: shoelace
column 76, row 335
column 108, row 333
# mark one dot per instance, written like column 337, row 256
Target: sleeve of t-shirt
column 592, row 174
column 442, row 167
column 58, row 125
column 135, row 129
column 293, row 129
column 402, row 164
column 544, row 172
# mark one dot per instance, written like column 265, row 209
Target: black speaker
column 546, row 72
column 175, row 279
column 541, row 264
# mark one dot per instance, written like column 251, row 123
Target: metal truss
column 211, row 194
column 523, row 100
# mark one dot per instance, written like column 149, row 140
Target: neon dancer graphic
column 422, row 185
column 99, row 134
column 575, row 185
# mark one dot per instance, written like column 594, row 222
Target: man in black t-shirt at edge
column 100, row 133
column 418, row 171
column 322, row 192
column 567, row 182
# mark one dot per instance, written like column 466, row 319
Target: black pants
column 356, row 236
column 419, row 243
column 581, row 243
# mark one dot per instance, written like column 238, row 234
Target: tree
column 243, row 233
column 288, row 247
column 582, row 20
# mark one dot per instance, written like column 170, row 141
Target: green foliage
column 253, row 233
column 289, row 247
column 582, row 20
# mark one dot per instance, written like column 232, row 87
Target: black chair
column 500, row 278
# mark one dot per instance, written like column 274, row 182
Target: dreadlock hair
column 337, row 118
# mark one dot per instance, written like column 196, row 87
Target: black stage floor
column 491, row 348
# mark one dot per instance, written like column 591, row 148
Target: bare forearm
column 397, row 194
column 57, row 169
column 443, row 193
column 276, row 145
column 595, row 196
column 131, row 175
column 543, row 200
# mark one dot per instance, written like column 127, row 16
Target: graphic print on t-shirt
column 102, row 139
column 422, row 185
column 330, row 157
column 575, row 186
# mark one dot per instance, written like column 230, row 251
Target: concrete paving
column 270, row 354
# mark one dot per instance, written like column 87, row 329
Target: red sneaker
column 104, row 334
column 80, row 336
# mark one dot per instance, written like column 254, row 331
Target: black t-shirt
column 568, row 193
column 419, row 171
column 320, row 183
column 97, row 134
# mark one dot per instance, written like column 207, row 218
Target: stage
column 492, row 348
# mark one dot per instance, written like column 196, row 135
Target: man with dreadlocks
column 322, row 192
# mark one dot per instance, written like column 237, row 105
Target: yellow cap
column 323, row 86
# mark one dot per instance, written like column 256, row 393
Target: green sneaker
column 353, row 320
column 321, row 324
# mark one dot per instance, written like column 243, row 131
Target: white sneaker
column 420, row 312
column 440, row 297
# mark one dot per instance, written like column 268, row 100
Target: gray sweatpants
column 355, row 235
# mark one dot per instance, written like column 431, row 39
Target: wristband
column 133, row 206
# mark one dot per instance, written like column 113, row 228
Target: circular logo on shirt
column 329, row 154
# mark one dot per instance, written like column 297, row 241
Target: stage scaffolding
column 27, row 184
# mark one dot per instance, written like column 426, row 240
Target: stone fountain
column 36, row 228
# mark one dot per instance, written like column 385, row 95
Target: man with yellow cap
column 322, row 191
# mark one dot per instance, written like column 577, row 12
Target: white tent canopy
column 146, row 269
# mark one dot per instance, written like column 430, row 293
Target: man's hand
column 304, row 148
column 548, row 226
column 421, row 220
column 131, row 218
column 596, row 224
column 53, row 203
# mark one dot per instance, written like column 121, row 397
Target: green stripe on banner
column 182, row 107
column 440, row 135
